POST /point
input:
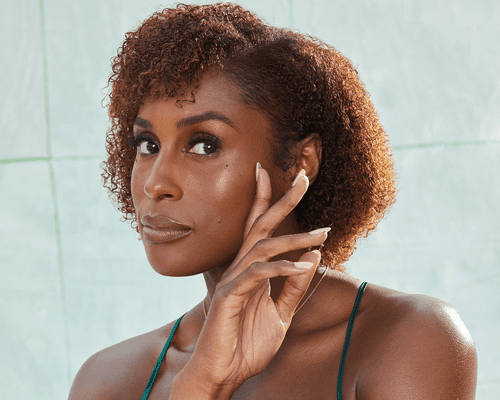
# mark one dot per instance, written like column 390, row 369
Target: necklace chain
column 299, row 307
column 312, row 291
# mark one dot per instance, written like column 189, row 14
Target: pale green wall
column 75, row 280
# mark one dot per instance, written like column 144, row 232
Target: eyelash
column 135, row 142
column 207, row 139
column 198, row 138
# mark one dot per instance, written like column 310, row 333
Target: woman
column 253, row 155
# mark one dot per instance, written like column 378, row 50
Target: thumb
column 295, row 287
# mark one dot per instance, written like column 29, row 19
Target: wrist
column 191, row 383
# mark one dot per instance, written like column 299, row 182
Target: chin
column 164, row 264
column 168, row 267
column 174, row 270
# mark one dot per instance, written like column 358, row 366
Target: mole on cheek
column 219, row 221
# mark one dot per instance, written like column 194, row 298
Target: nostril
column 165, row 196
column 163, row 190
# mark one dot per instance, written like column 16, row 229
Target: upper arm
column 428, row 355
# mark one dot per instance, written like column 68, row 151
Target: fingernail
column 257, row 168
column 303, row 265
column 321, row 230
column 299, row 175
column 317, row 252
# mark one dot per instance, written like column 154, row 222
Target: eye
column 203, row 148
column 204, row 144
column 144, row 144
column 147, row 147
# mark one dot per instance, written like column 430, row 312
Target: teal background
column 74, row 279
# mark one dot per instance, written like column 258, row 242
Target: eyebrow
column 189, row 121
column 207, row 116
column 142, row 123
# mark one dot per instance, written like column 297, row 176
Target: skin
column 250, row 345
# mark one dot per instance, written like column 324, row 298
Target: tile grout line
column 57, row 225
column 23, row 159
column 37, row 159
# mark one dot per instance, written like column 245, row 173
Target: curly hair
column 303, row 85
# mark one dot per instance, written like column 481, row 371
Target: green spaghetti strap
column 348, row 338
column 158, row 362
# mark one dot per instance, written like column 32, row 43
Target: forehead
column 214, row 94
column 212, row 90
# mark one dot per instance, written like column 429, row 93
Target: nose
column 163, row 181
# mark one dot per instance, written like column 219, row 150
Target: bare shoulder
column 420, row 345
column 424, row 314
column 121, row 370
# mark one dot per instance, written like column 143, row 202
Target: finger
column 295, row 288
column 258, row 272
column 263, row 194
column 265, row 225
column 265, row 249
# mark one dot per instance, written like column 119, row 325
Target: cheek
column 234, row 191
column 136, row 185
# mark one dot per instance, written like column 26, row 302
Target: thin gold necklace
column 312, row 291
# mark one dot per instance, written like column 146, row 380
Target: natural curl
column 304, row 86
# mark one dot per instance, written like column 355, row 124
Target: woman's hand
column 245, row 327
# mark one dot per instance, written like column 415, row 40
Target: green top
column 158, row 362
column 348, row 338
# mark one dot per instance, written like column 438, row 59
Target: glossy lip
column 161, row 229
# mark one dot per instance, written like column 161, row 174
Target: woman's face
column 193, row 181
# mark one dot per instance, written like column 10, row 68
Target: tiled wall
column 74, row 279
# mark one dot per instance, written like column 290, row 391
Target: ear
column 308, row 156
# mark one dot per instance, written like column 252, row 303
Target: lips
column 161, row 229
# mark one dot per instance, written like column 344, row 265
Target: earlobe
column 308, row 156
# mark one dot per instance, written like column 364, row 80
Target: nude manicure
column 257, row 168
column 299, row 175
column 321, row 230
column 303, row 264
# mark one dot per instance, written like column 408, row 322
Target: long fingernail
column 303, row 264
column 257, row 168
column 321, row 230
column 299, row 175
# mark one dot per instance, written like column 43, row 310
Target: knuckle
column 262, row 226
column 264, row 197
column 253, row 269
column 262, row 244
column 290, row 203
